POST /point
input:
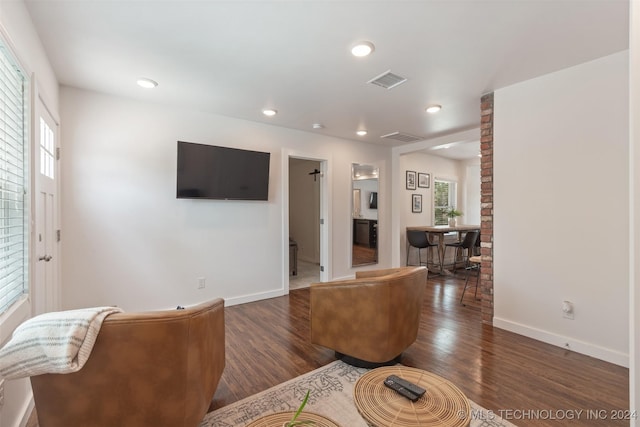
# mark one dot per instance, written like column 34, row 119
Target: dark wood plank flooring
column 514, row 376
column 268, row 343
column 361, row 255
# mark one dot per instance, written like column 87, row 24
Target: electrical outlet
column 1, row 393
column 567, row 310
column 201, row 282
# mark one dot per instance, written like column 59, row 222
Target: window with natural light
column 47, row 158
column 14, row 248
column 443, row 200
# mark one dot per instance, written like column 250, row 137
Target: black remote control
column 413, row 388
column 401, row 390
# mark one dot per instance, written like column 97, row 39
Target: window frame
column 451, row 202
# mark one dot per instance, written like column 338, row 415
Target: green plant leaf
column 293, row 421
column 453, row 212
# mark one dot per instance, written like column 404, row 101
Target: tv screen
column 373, row 200
column 212, row 172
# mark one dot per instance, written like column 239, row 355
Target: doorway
column 305, row 188
column 46, row 291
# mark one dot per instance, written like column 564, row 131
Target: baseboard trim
column 582, row 347
column 258, row 296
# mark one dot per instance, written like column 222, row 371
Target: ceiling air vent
column 403, row 137
column 387, row 80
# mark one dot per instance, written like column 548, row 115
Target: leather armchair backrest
column 146, row 369
column 373, row 317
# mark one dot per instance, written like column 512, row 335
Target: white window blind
column 14, row 251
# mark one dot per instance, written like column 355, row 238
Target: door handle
column 45, row 258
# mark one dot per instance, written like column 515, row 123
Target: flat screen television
column 212, row 172
column 373, row 200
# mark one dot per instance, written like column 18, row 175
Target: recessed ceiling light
column 361, row 132
column 362, row 49
column 146, row 83
column 442, row 146
column 433, row 108
column 318, row 126
column 269, row 112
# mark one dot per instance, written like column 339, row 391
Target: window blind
column 14, row 251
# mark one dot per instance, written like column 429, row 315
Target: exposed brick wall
column 486, row 207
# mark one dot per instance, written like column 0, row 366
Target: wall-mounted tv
column 212, row 172
column 373, row 200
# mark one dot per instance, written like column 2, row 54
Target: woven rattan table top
column 278, row 419
column 442, row 405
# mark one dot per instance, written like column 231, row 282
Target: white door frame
column 325, row 217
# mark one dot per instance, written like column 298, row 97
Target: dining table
column 440, row 231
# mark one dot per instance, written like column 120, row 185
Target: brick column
column 486, row 209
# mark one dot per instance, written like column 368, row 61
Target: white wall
column 129, row 241
column 561, row 207
column 17, row 31
column 471, row 191
column 304, row 208
column 17, row 24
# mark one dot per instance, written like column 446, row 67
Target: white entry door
column 45, row 289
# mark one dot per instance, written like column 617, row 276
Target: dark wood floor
column 268, row 343
column 362, row 255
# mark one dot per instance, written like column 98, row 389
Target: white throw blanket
column 55, row 343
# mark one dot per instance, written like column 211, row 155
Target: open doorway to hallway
column 304, row 222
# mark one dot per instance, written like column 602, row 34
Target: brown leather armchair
column 370, row 320
column 146, row 369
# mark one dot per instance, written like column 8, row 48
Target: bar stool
column 420, row 240
column 468, row 243
column 474, row 264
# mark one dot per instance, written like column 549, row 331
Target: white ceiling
column 237, row 57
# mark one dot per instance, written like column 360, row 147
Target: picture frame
column 424, row 180
column 411, row 180
column 416, row 203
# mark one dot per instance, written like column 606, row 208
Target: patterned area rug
column 331, row 395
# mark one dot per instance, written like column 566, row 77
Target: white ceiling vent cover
column 387, row 80
column 403, row 137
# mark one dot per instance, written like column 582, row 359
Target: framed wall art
column 411, row 180
column 424, row 180
column 416, row 203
